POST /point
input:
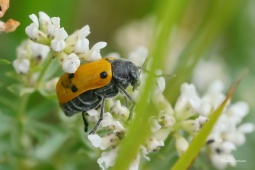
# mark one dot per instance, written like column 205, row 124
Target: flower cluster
column 188, row 115
column 10, row 25
column 69, row 49
column 29, row 56
column 227, row 133
column 115, row 123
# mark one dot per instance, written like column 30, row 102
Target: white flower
column 193, row 126
column 166, row 119
column 58, row 43
column 161, row 84
column 221, row 154
column 120, row 110
column 237, row 111
column 44, row 21
column 95, row 139
column 111, row 123
column 181, row 145
column 188, row 103
column 107, row 159
column 53, row 27
column 214, row 97
column 220, row 161
column 95, row 51
column 70, row 63
column 135, row 164
column 82, row 44
column 93, row 115
column 21, row 65
column 104, row 142
column 39, row 51
column 155, row 126
column 153, row 145
column 32, row 29
column 237, row 135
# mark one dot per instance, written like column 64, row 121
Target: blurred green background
column 51, row 141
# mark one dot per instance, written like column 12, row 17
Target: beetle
column 92, row 83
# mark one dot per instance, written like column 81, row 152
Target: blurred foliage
column 34, row 134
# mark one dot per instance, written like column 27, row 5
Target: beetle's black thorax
column 125, row 73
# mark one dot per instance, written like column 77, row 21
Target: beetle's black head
column 125, row 73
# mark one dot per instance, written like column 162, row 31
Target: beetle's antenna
column 143, row 68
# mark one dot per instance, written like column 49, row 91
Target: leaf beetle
column 92, row 83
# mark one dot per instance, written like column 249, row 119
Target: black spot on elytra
column 74, row 88
column 103, row 75
column 71, row 75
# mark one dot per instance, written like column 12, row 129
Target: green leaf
column 200, row 139
column 168, row 14
column 3, row 61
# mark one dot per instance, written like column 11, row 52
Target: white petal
column 39, row 50
column 110, row 122
column 44, row 19
column 239, row 109
column 93, row 112
column 58, row 45
column 60, row 34
column 181, row 145
column 70, row 63
column 56, row 22
column 82, row 45
column 228, row 147
column 155, row 127
column 34, row 18
column 99, row 45
column 161, row 83
column 188, row 89
column 237, row 138
column 95, row 51
column 32, row 31
column 117, row 108
column 84, row 32
column 135, row 164
column 217, row 161
column 95, row 139
column 246, row 128
column 21, row 65
column 107, row 159
column 154, row 145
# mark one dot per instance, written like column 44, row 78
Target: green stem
column 21, row 116
column 46, row 64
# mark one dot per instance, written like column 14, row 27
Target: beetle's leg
column 86, row 124
column 100, row 118
column 132, row 101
